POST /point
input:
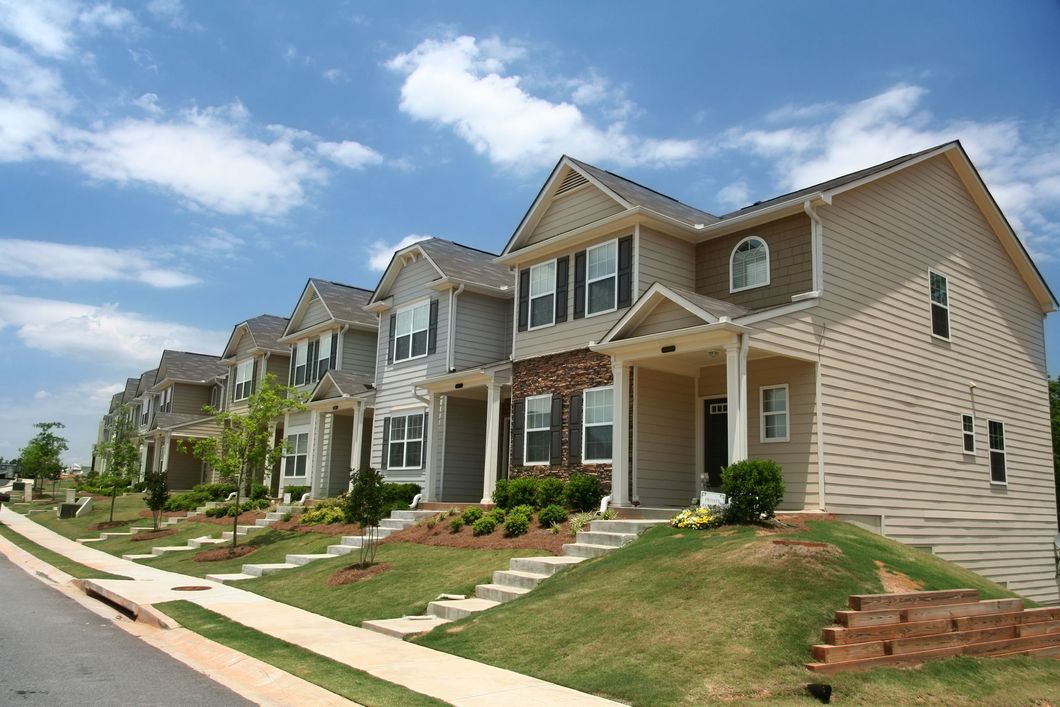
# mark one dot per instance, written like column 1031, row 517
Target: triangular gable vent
column 573, row 180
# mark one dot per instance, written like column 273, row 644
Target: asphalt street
column 55, row 652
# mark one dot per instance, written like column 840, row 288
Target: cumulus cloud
column 735, row 194
column 68, row 262
column 171, row 12
column 50, row 27
column 149, row 103
column 335, row 75
column 349, row 153
column 463, row 83
column 381, row 252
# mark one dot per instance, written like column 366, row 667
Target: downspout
column 450, row 364
column 339, row 347
column 816, row 244
column 817, row 256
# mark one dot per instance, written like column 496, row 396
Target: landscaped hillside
column 691, row 617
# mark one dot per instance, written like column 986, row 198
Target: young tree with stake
column 122, row 452
column 42, row 457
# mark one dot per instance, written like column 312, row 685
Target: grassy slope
column 687, row 617
column 74, row 569
column 125, row 508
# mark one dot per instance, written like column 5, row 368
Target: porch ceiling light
column 669, row 349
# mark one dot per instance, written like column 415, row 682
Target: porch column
column 316, row 423
column 143, row 460
column 164, row 457
column 432, row 463
column 620, row 491
column 493, row 432
column 358, row 441
column 736, row 396
column 266, row 477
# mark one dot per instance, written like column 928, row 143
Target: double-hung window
column 998, row 472
column 749, row 265
column 301, row 354
column 775, row 413
column 145, row 412
column 406, row 442
column 601, row 282
column 598, row 425
column 968, row 433
column 543, row 295
column 410, row 332
column 538, row 432
column 324, row 355
column 294, row 462
column 167, row 400
column 244, row 379
column 940, row 305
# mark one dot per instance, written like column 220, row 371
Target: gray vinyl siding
column 315, row 313
column 483, row 330
column 358, row 352
column 667, row 316
column 664, row 259
column 182, row 470
column 188, row 398
column 465, row 450
column 572, row 210
column 665, row 439
column 337, row 445
column 893, row 394
column 279, row 365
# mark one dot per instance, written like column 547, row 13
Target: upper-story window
column 601, row 270
column 244, row 380
column 749, row 264
column 940, row 305
column 543, row 294
column 410, row 331
column 324, row 354
column 145, row 412
column 301, row 357
column 167, row 400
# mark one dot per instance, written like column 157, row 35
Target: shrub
column 259, row 491
column 296, row 492
column 578, row 522
column 517, row 524
column 524, row 510
column 470, row 515
column 456, row 525
column 501, row 493
column 323, row 514
column 497, row 514
column 551, row 515
column 550, row 492
column 754, row 488
column 214, row 492
column 697, row 519
column 217, row 511
column 522, row 491
column 398, row 497
column 186, row 501
column 583, row 492
column 483, row 526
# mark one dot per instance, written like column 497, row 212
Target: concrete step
column 306, row 559
column 395, row 524
column 453, row 609
column 340, row 549
column 585, row 550
column 168, row 549
column 262, row 570
column 612, row 539
column 274, row 515
column 141, row 529
column 405, row 626
column 523, row 580
column 248, row 529
column 643, row 513
column 624, row 526
column 500, row 593
column 109, row 535
column 355, row 540
column 547, row 566
column 134, row 558
column 200, row 542
column 226, row 578
column 263, row 522
column 292, row 508
column 414, row 516
column 89, row 540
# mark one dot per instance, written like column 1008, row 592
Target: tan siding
column 572, row 210
column 665, row 259
column 189, row 398
column 483, row 330
column 666, row 443
column 465, row 450
column 206, row 428
column 279, row 366
column 340, row 445
column 182, row 470
column 358, row 352
column 243, row 348
column 315, row 313
column 894, row 394
column 667, row 316
column 790, row 264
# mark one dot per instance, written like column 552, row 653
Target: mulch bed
column 332, row 529
column 353, row 573
column 536, row 539
column 224, row 553
column 153, row 535
column 107, row 524
column 247, row 518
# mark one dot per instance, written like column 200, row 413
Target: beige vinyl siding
column 465, row 450
column 279, row 366
column 183, row 470
column 189, row 398
column 798, row 456
column 664, row 259
column 665, row 439
column 894, row 394
column 358, row 352
column 204, row 428
column 483, row 330
column 571, row 210
column 337, row 445
column 790, row 263
column 315, row 313
column 667, row 316
column 297, row 419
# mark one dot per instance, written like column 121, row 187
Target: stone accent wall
column 563, row 373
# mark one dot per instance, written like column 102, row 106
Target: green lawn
column 691, row 617
column 272, row 546
column 74, row 569
column 125, row 508
column 341, row 679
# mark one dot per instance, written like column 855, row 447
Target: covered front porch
column 341, row 413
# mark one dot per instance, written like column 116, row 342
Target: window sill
column 1002, row 484
column 536, row 463
column 733, row 290
column 775, row 441
column 540, row 326
column 595, row 461
column 600, row 313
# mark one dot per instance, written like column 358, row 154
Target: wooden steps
column 907, row 629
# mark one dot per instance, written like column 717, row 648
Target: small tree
column 122, row 452
column 156, row 493
column 365, row 505
column 42, row 458
column 754, row 488
column 245, row 444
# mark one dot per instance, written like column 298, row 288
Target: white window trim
column 530, row 297
column 586, row 426
column 769, row 268
column 294, row 455
column 613, row 241
column 250, row 379
column 932, row 304
column 762, row 414
column 966, row 452
column 405, row 453
column 301, row 350
column 327, row 350
column 166, row 403
column 527, row 430
column 407, row 308
column 991, row 451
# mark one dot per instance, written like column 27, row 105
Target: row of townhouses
column 880, row 335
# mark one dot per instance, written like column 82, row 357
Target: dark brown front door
column 715, row 440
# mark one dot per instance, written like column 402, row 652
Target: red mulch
column 224, row 553
column 537, row 538
column 332, row 529
column 354, row 573
column 153, row 535
column 107, row 524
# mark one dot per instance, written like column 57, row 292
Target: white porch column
column 620, row 491
column 736, row 396
column 358, row 441
column 267, row 476
column 143, row 460
column 164, row 456
column 493, row 433
column 316, row 420
column 433, row 463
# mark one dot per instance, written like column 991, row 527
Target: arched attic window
column 749, row 264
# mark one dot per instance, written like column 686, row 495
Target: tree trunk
column 235, row 518
column 113, row 497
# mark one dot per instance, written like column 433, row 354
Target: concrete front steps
column 521, row 577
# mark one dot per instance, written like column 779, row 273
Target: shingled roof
column 345, row 302
column 264, row 331
column 464, row 263
column 188, row 366
column 130, row 389
column 147, row 379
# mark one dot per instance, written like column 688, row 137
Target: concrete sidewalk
column 447, row 677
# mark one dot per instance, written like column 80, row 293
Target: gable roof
column 264, row 331
column 708, row 309
column 454, row 262
column 344, row 303
column 189, row 367
column 147, row 379
column 345, row 383
column 130, row 389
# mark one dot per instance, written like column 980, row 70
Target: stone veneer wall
column 563, row 373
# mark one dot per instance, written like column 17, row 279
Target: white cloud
column 24, row 78
column 26, row 132
column 172, row 12
column 735, row 194
column 50, row 27
column 149, row 103
column 68, row 262
column 380, row 252
column 335, row 75
column 349, row 153
column 460, row 83
column 99, row 333
column 216, row 243
column 42, row 395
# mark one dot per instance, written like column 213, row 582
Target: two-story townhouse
column 331, row 343
column 442, row 370
column 880, row 335
column 184, row 384
column 254, row 351
column 106, row 431
column 143, row 411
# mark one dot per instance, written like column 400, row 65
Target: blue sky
column 168, row 169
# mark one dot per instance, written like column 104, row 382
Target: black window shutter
column 556, row 450
column 579, row 284
column 524, row 299
column 390, row 341
column 290, row 368
column 423, row 446
column 311, row 362
column 432, row 329
column 562, row 266
column 518, row 431
column 386, row 443
column 254, row 378
column 625, row 271
column 334, row 351
column 575, row 451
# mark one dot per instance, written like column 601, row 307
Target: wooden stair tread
column 875, row 602
column 840, row 635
